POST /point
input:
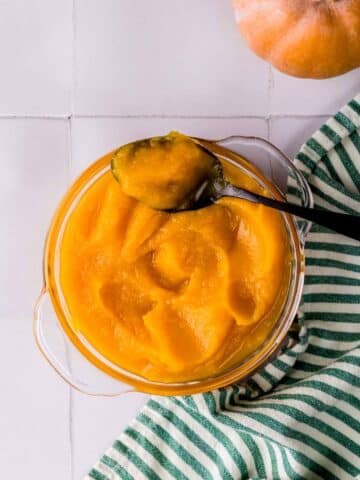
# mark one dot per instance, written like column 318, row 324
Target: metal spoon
column 211, row 186
column 216, row 187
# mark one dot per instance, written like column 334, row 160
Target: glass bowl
column 84, row 368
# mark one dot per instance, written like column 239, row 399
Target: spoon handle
column 345, row 224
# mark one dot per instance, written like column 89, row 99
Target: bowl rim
column 238, row 373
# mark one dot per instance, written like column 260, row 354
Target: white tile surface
column 34, row 419
column 290, row 133
column 35, row 52
column 167, row 58
column 296, row 96
column 93, row 137
column 152, row 60
column 96, row 424
column 34, row 174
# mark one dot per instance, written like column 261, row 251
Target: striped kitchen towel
column 299, row 418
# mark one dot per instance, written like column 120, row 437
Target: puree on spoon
column 162, row 171
column 173, row 297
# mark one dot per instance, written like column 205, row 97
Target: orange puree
column 173, row 297
column 162, row 171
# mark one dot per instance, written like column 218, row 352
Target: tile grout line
column 73, row 58
column 70, row 167
column 30, row 116
column 71, row 406
column 199, row 117
column 70, row 414
column 68, row 357
column 270, row 86
column 268, row 128
column 70, row 146
column 274, row 116
column 202, row 117
column 270, row 115
column 268, row 132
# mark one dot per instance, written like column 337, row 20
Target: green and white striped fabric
column 299, row 418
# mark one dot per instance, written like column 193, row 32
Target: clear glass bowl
column 87, row 370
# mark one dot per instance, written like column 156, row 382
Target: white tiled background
column 79, row 77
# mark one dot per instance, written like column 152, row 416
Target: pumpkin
column 303, row 38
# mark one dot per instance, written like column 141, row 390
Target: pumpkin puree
column 174, row 297
column 148, row 170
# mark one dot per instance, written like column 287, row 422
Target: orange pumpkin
column 303, row 38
